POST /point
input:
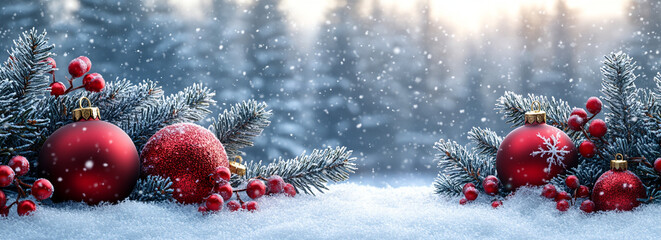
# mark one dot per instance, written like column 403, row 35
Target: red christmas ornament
column 534, row 153
column 618, row 189
column 187, row 154
column 89, row 160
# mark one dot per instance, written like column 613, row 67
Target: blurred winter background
column 386, row 78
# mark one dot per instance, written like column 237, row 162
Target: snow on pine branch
column 458, row 166
column 26, row 67
column 486, row 140
column 306, row 172
column 152, row 189
column 237, row 127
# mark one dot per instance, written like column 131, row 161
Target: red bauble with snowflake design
column 188, row 154
column 534, row 153
column 618, row 189
column 89, row 160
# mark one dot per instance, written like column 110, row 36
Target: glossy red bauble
column 618, row 190
column 188, row 154
column 91, row 161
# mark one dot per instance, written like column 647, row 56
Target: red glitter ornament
column 534, row 153
column 618, row 189
column 187, row 154
column 89, row 160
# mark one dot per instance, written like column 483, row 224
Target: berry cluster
column 490, row 184
column 41, row 189
column 255, row 189
column 597, row 127
column 92, row 82
column 564, row 200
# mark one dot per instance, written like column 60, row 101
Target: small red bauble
column 618, row 188
column 89, row 160
column 255, row 188
column 214, row 202
column 42, row 189
column 549, row 191
column 587, row 206
column 583, row 192
column 562, row 205
column 593, row 105
column 87, row 61
column 587, row 149
column 657, row 165
column 6, row 175
column 491, row 188
column 467, row 185
column 534, row 153
column 57, row 89
column 471, row 193
column 77, row 67
column 3, row 199
column 250, row 206
column 233, row 205
column 572, row 182
column 51, row 62
column 496, row 204
column 20, row 165
column 275, row 184
column 575, row 122
column 463, row 201
column 224, row 190
column 562, row 195
column 598, row 128
column 26, row 207
column 187, row 154
column 221, row 174
column 579, row 112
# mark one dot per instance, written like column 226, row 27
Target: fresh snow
column 347, row 211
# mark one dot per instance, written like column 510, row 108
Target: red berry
column 598, row 128
column 255, row 188
column 26, row 207
column 491, row 178
column 587, row 149
column 491, row 188
column 471, row 193
column 572, row 182
column 290, row 190
column 250, row 206
column 496, row 204
column 575, row 122
column 593, row 105
column 77, row 67
column 50, row 61
column 4, row 211
column 549, row 191
column 562, row 195
column 583, row 192
column 275, row 184
column 87, row 62
column 463, row 201
column 224, row 190
column 6, row 175
column 657, row 165
column 579, row 112
column 57, row 89
column 202, row 209
column 220, row 174
column 214, row 202
column 562, row 205
column 467, row 185
column 233, row 205
column 3, row 199
column 587, row 206
column 42, row 189
column 20, row 165
column 94, row 83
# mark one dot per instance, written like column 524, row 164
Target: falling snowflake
column 550, row 147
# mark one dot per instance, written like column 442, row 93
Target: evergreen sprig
column 486, row 141
column 237, row 127
column 306, row 172
column 152, row 189
column 458, row 166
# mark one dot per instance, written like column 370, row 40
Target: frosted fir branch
column 26, row 67
column 443, row 185
column 152, row 189
column 306, row 172
column 514, row 107
column 486, row 140
column 459, row 166
column 237, row 127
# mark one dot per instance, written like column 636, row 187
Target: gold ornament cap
column 535, row 116
column 619, row 163
column 86, row 113
column 237, row 167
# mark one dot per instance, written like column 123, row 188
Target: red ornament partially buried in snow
column 89, row 160
column 534, row 153
column 188, row 154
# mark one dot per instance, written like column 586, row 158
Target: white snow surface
column 347, row 211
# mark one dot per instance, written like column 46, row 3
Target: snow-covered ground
column 347, row 211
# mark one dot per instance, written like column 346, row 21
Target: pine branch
column 459, row 166
column 26, row 67
column 238, row 127
column 152, row 189
column 487, row 141
column 306, row 172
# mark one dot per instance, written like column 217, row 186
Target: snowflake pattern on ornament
column 556, row 155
